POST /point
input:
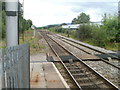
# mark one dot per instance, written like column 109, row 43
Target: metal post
column 12, row 23
column 18, row 19
column 34, row 32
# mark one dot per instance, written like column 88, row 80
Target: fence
column 16, row 66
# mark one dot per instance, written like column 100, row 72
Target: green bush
column 73, row 34
column 110, row 24
column 57, row 29
column 84, row 31
column 99, row 37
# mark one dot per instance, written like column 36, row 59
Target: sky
column 45, row 12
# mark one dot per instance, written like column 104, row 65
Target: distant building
column 75, row 26
column 72, row 26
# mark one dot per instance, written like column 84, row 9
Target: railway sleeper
column 92, row 87
column 96, row 84
column 85, row 80
column 90, row 84
column 75, row 71
column 102, row 85
column 94, row 80
column 80, row 76
column 80, row 72
column 73, row 68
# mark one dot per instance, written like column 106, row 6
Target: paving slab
column 52, row 78
column 41, row 57
column 37, row 79
column 45, row 75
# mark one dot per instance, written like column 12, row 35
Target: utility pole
column 11, row 23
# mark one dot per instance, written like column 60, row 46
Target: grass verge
column 35, row 46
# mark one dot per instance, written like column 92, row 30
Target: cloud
column 95, row 9
column 44, row 12
column 104, row 6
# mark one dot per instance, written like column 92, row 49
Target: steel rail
column 94, row 71
column 91, row 54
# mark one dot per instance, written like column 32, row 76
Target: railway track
column 86, row 48
column 108, row 70
column 83, row 75
column 114, row 62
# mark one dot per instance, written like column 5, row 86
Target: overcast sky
column 45, row 12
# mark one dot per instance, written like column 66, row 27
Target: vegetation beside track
column 35, row 46
column 106, row 35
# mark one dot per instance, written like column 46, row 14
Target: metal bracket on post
column 11, row 13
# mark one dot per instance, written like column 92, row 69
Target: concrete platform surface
column 45, row 75
column 41, row 57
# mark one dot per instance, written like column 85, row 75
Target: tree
column 63, row 24
column 74, row 21
column 3, row 5
column 104, row 18
column 82, row 18
column 27, row 24
column 110, row 24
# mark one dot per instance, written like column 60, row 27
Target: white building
column 75, row 26
column 72, row 26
